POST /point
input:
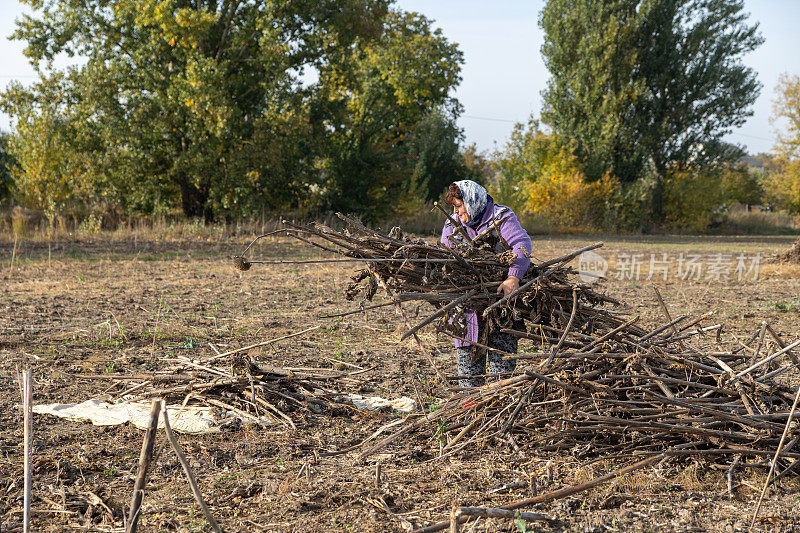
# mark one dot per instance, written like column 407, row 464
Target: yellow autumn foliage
column 782, row 186
column 558, row 191
column 692, row 198
column 568, row 200
column 47, row 176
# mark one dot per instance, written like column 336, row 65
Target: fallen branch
column 561, row 493
column 145, row 457
column 188, row 471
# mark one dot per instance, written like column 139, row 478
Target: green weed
column 522, row 526
column 787, row 306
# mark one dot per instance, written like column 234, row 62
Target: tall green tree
column 7, row 162
column 201, row 101
column 647, row 85
column 434, row 148
column 387, row 95
column 227, row 107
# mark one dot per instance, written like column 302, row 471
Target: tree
column 7, row 162
column 47, row 176
column 783, row 176
column 742, row 184
column 590, row 50
column 390, row 99
column 786, row 110
column 537, row 173
column 204, row 101
column 518, row 163
column 434, row 149
column 227, row 107
column 647, row 85
column 478, row 164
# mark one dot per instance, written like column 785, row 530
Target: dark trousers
column 491, row 363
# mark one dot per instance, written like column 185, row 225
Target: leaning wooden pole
column 144, row 463
column 189, row 474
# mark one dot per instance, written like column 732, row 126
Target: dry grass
column 739, row 221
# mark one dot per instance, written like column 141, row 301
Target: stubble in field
column 110, row 307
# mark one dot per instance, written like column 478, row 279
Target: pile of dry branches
column 235, row 383
column 792, row 255
column 600, row 386
column 633, row 397
column 464, row 277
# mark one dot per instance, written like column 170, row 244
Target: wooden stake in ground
column 13, row 255
column 144, row 463
column 188, row 471
column 27, row 398
column 455, row 518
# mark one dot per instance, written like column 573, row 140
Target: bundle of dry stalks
column 235, row 383
column 600, row 386
column 465, row 277
column 792, row 255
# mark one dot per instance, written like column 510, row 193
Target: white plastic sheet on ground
column 190, row 419
column 403, row 404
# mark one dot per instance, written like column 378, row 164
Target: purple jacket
column 515, row 236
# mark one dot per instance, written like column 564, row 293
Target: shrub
column 538, row 174
column 566, row 199
column 783, row 186
column 742, row 185
column 47, row 177
column 692, row 198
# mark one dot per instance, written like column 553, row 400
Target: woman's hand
column 509, row 285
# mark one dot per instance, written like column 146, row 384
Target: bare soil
column 113, row 306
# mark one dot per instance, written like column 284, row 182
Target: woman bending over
column 475, row 210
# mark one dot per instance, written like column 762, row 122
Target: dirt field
column 112, row 306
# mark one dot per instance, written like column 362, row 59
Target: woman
column 475, row 210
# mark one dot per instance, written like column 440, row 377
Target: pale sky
column 503, row 73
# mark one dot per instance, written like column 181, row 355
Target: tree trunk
column 659, row 171
column 194, row 201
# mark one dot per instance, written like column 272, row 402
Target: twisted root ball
column 241, row 263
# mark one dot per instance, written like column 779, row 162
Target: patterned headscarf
column 475, row 198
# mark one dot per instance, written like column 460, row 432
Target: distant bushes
column 693, row 199
column 783, row 186
column 539, row 176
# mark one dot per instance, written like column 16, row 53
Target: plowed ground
column 113, row 306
